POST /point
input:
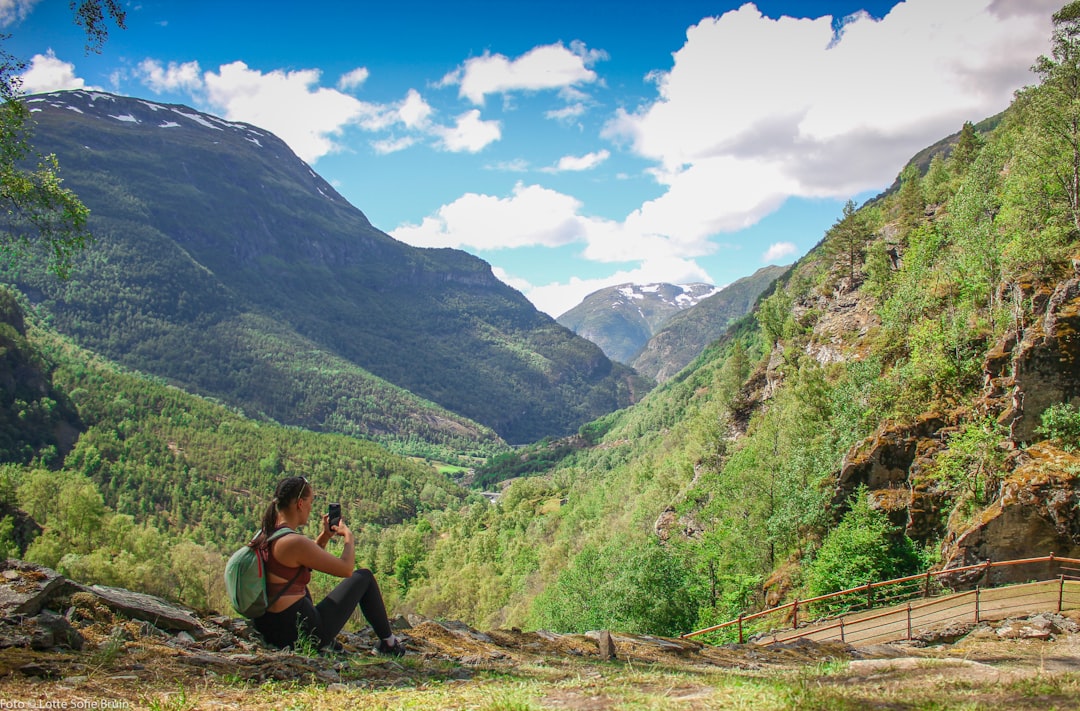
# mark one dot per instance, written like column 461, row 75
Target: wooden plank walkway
column 909, row 620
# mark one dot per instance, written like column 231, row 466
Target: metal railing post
column 795, row 614
column 909, row 621
column 842, row 630
column 1061, row 591
column 740, row 629
column 977, row 595
column 926, row 585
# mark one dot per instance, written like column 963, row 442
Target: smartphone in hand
column 335, row 514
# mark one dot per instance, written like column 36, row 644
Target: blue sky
column 573, row 144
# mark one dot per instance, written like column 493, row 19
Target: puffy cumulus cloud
column 413, row 111
column 353, row 79
column 159, row 78
column 290, row 104
column 469, row 134
column 536, row 216
column 778, row 251
column 579, row 163
column 531, row 216
column 755, row 109
column 710, row 197
column 47, row 73
column 552, row 66
column 557, row 298
column 15, row 11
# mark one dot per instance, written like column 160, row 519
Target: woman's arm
column 301, row 550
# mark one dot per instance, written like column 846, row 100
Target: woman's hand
column 342, row 530
column 326, row 532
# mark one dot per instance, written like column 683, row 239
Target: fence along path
column 905, row 607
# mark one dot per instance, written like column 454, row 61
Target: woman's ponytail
column 287, row 491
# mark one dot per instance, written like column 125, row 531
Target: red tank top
column 298, row 586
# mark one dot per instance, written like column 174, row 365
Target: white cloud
column 290, row 104
column 567, row 113
column 393, row 145
column 553, row 66
column 353, row 79
column 755, row 110
column 531, row 216
column 469, row 134
column 186, row 76
column 413, row 111
column 15, row 11
column 47, row 73
column 579, row 163
column 518, row 165
column 557, row 298
column 779, row 250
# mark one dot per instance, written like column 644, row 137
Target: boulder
column 25, row 587
column 1034, row 516
column 140, row 606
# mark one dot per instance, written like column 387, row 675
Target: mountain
column 227, row 266
column 621, row 319
column 684, row 336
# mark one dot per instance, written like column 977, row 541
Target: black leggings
column 322, row 622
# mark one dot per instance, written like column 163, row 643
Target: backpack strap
column 281, row 532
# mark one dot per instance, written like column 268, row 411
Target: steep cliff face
column 1034, row 498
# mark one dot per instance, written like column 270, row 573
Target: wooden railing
column 925, row 585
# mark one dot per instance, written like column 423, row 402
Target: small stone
column 606, row 645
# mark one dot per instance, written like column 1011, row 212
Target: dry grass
column 513, row 671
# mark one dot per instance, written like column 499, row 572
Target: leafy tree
column 40, row 216
column 640, row 588
column 865, row 547
column 973, row 227
column 774, row 315
column 938, row 182
column 973, row 458
column 1052, row 111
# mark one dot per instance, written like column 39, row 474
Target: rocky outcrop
column 1034, row 515
column 1045, row 362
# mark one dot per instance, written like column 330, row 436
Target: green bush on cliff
column 1061, row 425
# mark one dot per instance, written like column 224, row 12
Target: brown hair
column 287, row 491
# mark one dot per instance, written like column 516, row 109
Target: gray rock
column 140, row 606
column 53, row 630
column 26, row 587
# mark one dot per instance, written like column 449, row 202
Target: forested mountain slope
column 225, row 264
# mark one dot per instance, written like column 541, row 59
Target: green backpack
column 245, row 578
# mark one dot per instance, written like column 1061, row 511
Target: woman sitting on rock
column 291, row 560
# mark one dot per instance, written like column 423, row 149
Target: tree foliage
column 40, row 218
